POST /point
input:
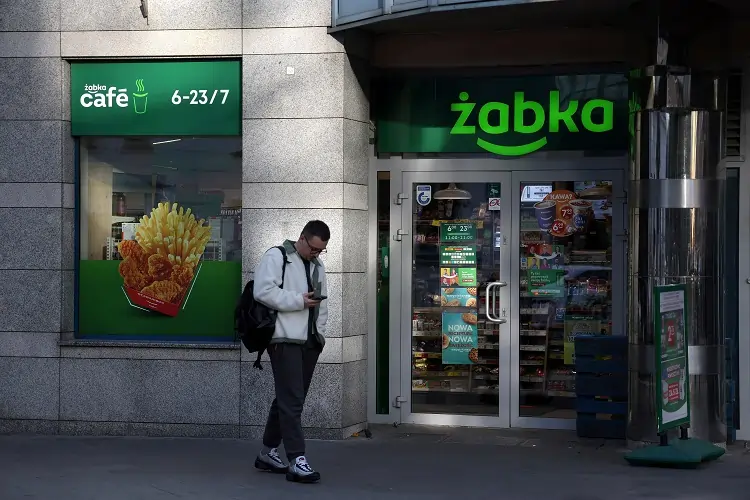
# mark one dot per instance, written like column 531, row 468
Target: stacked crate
column 601, row 386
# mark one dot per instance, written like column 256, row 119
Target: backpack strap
column 283, row 274
column 283, row 265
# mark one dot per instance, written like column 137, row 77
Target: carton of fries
column 160, row 265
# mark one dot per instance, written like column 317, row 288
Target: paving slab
column 408, row 463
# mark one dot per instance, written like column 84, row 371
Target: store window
column 565, row 287
column 159, row 198
column 160, row 237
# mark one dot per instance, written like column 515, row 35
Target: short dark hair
column 317, row 228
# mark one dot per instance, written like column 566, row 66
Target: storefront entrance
column 495, row 266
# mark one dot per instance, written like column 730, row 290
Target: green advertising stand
column 673, row 388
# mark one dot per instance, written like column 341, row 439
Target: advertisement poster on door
column 672, row 400
column 452, row 255
column 546, row 283
column 460, row 338
column 562, row 213
column 458, row 297
column 458, row 276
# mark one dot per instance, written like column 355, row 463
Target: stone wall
column 305, row 155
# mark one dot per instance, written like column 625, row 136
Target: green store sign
column 507, row 117
column 156, row 98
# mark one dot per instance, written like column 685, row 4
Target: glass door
column 455, row 299
column 568, row 269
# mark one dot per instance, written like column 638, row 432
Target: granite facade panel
column 31, row 150
column 286, row 13
column 152, row 391
column 30, row 388
column 30, row 16
column 30, row 300
column 293, row 86
column 26, row 235
column 31, row 89
column 293, row 150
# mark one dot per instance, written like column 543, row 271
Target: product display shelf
column 541, row 343
column 112, row 248
column 534, row 344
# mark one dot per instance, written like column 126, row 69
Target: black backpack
column 254, row 322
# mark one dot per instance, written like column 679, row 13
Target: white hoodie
column 292, row 319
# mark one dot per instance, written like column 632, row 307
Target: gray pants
column 293, row 366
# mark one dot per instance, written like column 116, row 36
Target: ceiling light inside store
column 165, row 142
column 452, row 193
column 164, row 166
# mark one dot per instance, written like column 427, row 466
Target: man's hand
column 309, row 301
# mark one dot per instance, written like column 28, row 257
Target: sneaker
column 271, row 462
column 301, row 472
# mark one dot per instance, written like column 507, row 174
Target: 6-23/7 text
column 219, row 96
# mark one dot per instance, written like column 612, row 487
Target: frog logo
column 494, row 118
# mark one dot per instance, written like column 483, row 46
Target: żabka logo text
column 494, row 118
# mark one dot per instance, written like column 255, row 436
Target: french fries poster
column 160, row 266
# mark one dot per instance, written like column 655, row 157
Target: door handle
column 490, row 311
column 489, row 299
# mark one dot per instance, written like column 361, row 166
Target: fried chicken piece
column 182, row 275
column 168, row 291
column 159, row 267
column 131, row 249
column 133, row 275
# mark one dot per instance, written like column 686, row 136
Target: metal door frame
column 398, row 166
column 409, row 180
column 619, row 263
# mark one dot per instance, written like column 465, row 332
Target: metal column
column 676, row 199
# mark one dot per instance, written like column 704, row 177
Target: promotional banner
column 562, row 213
column 460, row 338
column 458, row 276
column 163, row 288
column 546, row 283
column 156, row 98
column 673, row 394
column 458, row 255
column 458, row 291
column 458, row 297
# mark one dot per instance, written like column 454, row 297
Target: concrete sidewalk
column 406, row 463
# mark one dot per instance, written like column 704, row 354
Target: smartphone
column 317, row 295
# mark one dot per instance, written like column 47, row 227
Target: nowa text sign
column 155, row 98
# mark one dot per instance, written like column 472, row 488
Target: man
column 296, row 343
